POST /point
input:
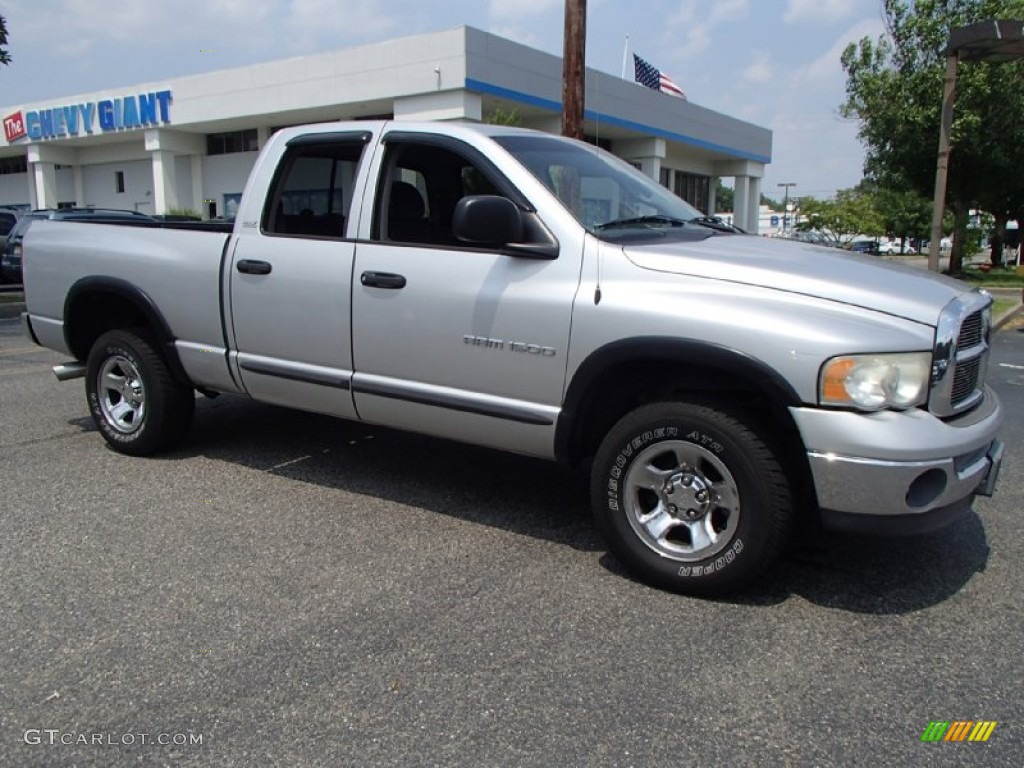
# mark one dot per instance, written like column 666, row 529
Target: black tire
column 690, row 498
column 136, row 404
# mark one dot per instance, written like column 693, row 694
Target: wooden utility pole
column 573, row 55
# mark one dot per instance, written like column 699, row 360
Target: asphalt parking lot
column 295, row 590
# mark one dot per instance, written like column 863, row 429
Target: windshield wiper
column 716, row 224
column 651, row 219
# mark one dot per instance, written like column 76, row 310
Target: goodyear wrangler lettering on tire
column 691, row 497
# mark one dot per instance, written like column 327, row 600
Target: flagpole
column 625, row 55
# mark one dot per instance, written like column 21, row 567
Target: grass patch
column 995, row 278
column 12, row 297
column 1000, row 305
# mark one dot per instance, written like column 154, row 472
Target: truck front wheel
column 690, row 497
column 136, row 404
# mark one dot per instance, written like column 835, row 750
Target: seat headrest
column 406, row 201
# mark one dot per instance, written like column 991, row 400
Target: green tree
column 5, row 58
column 852, row 212
column 725, row 198
column 500, row 117
column 903, row 213
column 894, row 87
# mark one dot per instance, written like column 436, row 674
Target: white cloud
column 826, row 72
column 342, row 20
column 819, row 11
column 517, row 9
column 696, row 24
column 760, row 70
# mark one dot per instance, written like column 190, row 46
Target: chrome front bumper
column 901, row 464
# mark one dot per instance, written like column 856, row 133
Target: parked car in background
column 8, row 218
column 863, row 246
column 895, row 247
column 10, row 251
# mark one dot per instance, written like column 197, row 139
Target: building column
column 650, row 166
column 45, row 175
column 649, row 153
column 31, row 176
column 754, row 217
column 441, row 105
column 741, row 201
column 197, row 184
column 165, row 182
column 79, row 178
column 162, row 145
column 262, row 134
column 712, row 191
column 42, row 164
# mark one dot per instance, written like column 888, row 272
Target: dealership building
column 190, row 142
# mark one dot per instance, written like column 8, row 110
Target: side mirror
column 487, row 220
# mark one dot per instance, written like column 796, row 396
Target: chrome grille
column 961, row 355
column 971, row 332
column 965, row 380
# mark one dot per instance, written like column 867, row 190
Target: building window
column 694, row 189
column 666, row 178
column 13, row 165
column 119, row 182
column 232, row 141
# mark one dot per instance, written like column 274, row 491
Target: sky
column 774, row 63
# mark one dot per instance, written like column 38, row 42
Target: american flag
column 647, row 74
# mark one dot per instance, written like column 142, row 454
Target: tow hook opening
column 926, row 489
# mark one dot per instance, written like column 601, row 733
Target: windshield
column 608, row 196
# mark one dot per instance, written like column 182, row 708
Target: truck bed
column 178, row 263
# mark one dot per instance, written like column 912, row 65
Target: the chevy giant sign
column 109, row 115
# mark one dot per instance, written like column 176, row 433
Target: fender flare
column 96, row 285
column 671, row 349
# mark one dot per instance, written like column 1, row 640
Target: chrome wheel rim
column 681, row 500
column 122, row 395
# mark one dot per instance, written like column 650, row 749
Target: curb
column 1007, row 316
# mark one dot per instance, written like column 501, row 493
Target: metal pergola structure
column 996, row 40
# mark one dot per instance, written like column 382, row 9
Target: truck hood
column 865, row 281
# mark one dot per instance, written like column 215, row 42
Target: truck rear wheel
column 690, row 498
column 136, row 404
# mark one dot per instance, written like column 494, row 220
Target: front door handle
column 382, row 280
column 250, row 267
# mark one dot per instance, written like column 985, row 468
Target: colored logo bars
column 958, row 730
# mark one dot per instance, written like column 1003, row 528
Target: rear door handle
column 250, row 267
column 382, row 280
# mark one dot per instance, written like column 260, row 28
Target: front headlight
column 873, row 382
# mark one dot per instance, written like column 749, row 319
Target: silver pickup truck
column 534, row 294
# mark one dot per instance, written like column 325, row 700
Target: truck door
column 291, row 280
column 449, row 339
